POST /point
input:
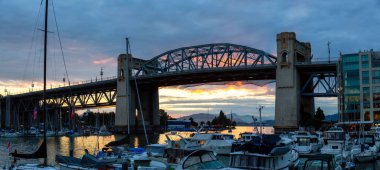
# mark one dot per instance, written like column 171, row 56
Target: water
column 62, row 145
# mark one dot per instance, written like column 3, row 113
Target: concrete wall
column 124, row 96
column 127, row 101
column 288, row 82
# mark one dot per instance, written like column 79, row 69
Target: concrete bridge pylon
column 289, row 103
column 127, row 101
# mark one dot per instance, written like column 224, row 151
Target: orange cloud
column 109, row 60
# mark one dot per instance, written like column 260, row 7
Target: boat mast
column 261, row 125
column 44, row 92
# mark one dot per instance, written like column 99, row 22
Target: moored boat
column 265, row 152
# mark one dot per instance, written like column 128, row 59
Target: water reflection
column 63, row 145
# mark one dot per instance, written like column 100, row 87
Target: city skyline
column 93, row 35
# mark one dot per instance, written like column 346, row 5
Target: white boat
column 336, row 141
column 216, row 142
column 364, row 149
column 306, row 143
column 156, row 150
column 247, row 136
column 326, row 162
column 266, row 152
column 103, row 131
column 177, row 141
column 376, row 132
column 11, row 134
column 201, row 159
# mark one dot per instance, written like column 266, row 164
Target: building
column 359, row 88
column 178, row 125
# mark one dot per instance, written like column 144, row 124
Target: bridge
column 297, row 78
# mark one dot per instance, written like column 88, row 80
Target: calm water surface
column 62, row 145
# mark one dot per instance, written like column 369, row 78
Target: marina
column 63, row 145
column 288, row 110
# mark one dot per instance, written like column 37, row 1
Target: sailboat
column 41, row 152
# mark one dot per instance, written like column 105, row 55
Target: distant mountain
column 333, row 117
column 198, row 117
column 242, row 120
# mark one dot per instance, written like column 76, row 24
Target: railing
column 321, row 61
column 59, row 86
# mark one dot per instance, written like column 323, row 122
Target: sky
column 93, row 33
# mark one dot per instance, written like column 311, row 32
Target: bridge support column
column 150, row 106
column 288, row 82
column 124, row 102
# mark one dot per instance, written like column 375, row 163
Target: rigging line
column 63, row 56
column 60, row 44
column 31, row 44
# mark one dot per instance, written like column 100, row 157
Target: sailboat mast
column 44, row 92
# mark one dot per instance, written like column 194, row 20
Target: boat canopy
column 202, row 159
column 264, row 146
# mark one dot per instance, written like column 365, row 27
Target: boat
column 326, row 162
column 11, row 134
column 336, row 141
column 41, row 152
column 265, row 152
column 86, row 162
column 247, row 136
column 364, row 149
column 217, row 142
column 201, row 159
column 103, row 131
column 306, row 143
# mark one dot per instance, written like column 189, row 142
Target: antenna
column 101, row 73
column 328, row 47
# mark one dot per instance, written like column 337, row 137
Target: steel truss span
column 206, row 57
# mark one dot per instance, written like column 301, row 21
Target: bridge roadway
column 105, row 91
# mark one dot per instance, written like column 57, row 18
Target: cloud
column 94, row 32
column 109, row 60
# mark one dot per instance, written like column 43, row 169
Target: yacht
column 221, row 144
column 306, row 143
column 327, row 162
column 336, row 141
column 201, row 159
column 247, row 136
column 364, row 149
column 265, row 152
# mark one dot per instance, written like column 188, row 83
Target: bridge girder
column 206, row 57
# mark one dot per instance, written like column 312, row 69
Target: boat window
column 191, row 161
column 303, row 141
column 216, row 137
column 325, row 165
column 314, row 165
column 335, row 135
column 228, row 137
column 207, row 157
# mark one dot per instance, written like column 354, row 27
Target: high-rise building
column 359, row 87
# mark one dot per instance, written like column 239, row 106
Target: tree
column 208, row 123
column 164, row 117
column 233, row 123
column 318, row 118
column 202, row 123
column 319, row 114
column 192, row 122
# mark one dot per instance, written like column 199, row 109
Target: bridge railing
column 321, row 61
column 8, row 93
